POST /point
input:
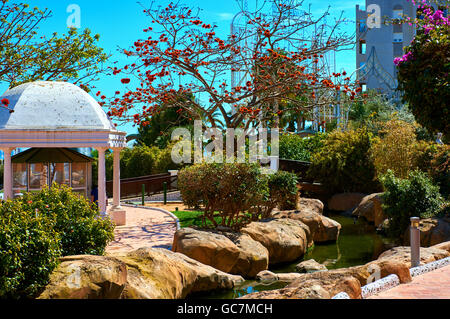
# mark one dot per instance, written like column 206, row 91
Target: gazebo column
column 116, row 178
column 101, row 180
column 118, row 215
column 7, row 173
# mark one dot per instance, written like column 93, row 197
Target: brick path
column 144, row 228
column 432, row 285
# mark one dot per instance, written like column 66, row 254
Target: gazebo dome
column 52, row 106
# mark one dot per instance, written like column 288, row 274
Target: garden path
column 432, row 285
column 145, row 227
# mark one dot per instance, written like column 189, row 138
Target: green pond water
column 358, row 244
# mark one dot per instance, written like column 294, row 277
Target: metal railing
column 151, row 184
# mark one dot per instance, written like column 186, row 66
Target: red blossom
column 125, row 81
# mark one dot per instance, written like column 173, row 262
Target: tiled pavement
column 144, row 228
column 432, row 285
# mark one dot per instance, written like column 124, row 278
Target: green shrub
column 75, row 219
column 29, row 250
column 406, row 198
column 298, row 148
column 283, row 190
column 440, row 170
column 344, row 163
column 395, row 148
column 234, row 194
column 230, row 189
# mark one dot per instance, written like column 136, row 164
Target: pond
column 358, row 244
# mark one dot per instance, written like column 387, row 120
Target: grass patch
column 192, row 218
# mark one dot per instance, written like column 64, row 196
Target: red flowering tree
column 281, row 59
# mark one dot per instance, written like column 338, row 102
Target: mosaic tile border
column 392, row 281
column 420, row 270
column 378, row 286
column 341, row 295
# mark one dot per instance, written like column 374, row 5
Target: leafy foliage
column 395, row 149
column 294, row 147
column 415, row 196
column 344, row 163
column 423, row 76
column 75, row 218
column 38, row 228
column 283, row 190
column 26, row 56
column 234, row 194
column 440, row 170
column 29, row 250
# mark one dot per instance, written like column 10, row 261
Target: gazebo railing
column 154, row 184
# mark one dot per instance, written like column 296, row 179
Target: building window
column 398, row 37
column 398, row 28
column 398, row 14
column 362, row 47
column 398, row 49
column 362, row 26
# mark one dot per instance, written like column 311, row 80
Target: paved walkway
column 432, row 285
column 144, row 228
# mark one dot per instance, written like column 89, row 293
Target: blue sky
column 120, row 23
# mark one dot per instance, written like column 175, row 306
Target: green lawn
column 191, row 218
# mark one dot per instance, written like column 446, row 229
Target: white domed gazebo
column 59, row 115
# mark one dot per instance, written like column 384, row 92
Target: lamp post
column 415, row 242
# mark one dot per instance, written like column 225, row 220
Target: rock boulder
column 370, row 209
column 309, row 266
column 157, row 273
column 345, row 201
column 86, row 277
column 285, row 239
column 208, row 247
column 322, row 228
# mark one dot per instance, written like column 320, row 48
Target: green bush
column 234, row 194
column 406, row 198
column 233, row 190
column 75, row 219
column 29, row 250
column 298, row 148
column 344, row 163
column 283, row 190
column 440, row 170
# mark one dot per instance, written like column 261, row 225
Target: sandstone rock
column 444, row 246
column 370, row 209
column 310, row 266
column 322, row 228
column 285, row 239
column 345, row 201
column 86, row 277
column 207, row 247
column 267, row 276
column 386, row 267
column 253, row 256
column 403, row 254
column 319, row 285
column 432, row 231
column 157, row 273
column 310, row 205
